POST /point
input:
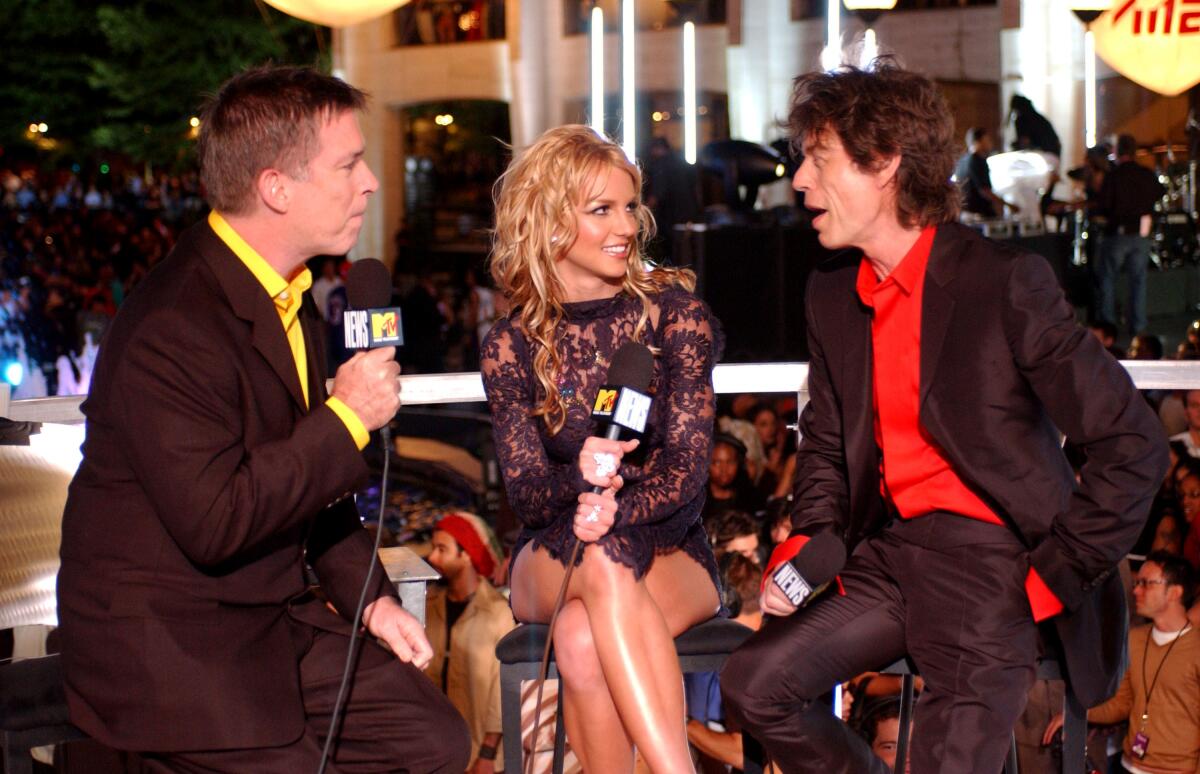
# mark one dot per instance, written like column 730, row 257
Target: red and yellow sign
column 1155, row 43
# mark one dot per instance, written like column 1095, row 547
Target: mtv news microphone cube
column 371, row 328
column 623, row 406
column 791, row 584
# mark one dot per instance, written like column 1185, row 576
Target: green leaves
column 128, row 75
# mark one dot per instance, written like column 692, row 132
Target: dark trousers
column 946, row 590
column 395, row 719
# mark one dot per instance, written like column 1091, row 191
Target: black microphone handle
column 612, row 433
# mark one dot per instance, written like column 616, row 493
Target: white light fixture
column 628, row 91
column 597, row 41
column 1087, row 11
column 831, row 55
column 336, row 13
column 689, row 92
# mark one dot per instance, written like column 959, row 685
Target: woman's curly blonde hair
column 536, row 199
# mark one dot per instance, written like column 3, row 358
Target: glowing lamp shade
column 1153, row 44
column 336, row 13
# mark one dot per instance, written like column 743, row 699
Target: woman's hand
column 595, row 514
column 600, row 459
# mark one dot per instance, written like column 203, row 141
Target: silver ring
column 606, row 464
column 594, row 516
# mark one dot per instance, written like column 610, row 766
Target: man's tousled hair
column 263, row 118
column 878, row 113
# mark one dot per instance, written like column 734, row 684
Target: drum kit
column 1175, row 214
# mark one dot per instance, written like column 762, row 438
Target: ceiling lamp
column 336, row 13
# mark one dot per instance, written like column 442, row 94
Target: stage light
column 14, row 373
column 689, row 92
column 104, row 169
column 33, row 128
column 193, row 122
column 43, row 128
column 597, row 50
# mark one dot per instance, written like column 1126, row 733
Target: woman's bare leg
column 593, row 724
column 633, row 642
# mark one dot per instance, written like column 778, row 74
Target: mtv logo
column 386, row 327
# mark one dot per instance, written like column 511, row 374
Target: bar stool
column 703, row 648
column 33, row 710
column 1074, row 731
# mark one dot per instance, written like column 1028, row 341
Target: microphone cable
column 545, row 666
column 385, row 435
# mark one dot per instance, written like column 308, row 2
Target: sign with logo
column 1154, row 43
column 606, row 401
column 370, row 328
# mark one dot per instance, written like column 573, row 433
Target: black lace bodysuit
column 658, row 509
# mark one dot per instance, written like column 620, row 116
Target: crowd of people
column 70, row 253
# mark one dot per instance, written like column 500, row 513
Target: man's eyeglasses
column 1148, row 582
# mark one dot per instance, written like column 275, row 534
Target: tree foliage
column 127, row 76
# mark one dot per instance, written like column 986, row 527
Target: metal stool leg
column 560, row 735
column 1074, row 757
column 906, row 710
column 510, row 713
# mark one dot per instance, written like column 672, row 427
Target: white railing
column 429, row 389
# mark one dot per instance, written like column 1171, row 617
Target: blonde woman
column 570, row 227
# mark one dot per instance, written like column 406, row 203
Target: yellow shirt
column 287, row 296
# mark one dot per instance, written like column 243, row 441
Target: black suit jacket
column 1004, row 368
column 205, row 486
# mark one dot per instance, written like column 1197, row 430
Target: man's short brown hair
column 879, row 113
column 267, row 117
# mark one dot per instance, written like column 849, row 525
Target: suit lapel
column 250, row 303
column 937, row 305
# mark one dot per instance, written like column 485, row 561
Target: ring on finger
column 606, row 464
column 594, row 516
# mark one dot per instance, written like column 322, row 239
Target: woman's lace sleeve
column 675, row 472
column 539, row 489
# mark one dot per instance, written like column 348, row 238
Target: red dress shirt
column 916, row 477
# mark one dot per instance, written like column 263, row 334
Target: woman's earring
column 553, row 238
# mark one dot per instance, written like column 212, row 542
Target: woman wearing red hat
column 570, row 227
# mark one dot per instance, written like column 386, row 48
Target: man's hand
column 402, row 632
column 369, row 385
column 483, row 766
column 773, row 601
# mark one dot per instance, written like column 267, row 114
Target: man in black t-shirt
column 1127, row 198
column 973, row 177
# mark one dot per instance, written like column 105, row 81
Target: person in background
column 708, row 730
column 973, row 178
column 1127, row 201
column 465, row 617
column 1159, row 695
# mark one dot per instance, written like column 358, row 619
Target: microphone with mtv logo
column 370, row 322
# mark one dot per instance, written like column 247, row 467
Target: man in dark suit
column 943, row 367
column 215, row 468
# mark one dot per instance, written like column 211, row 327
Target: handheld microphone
column 802, row 566
column 370, row 322
column 622, row 402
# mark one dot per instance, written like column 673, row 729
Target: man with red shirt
column 943, row 368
